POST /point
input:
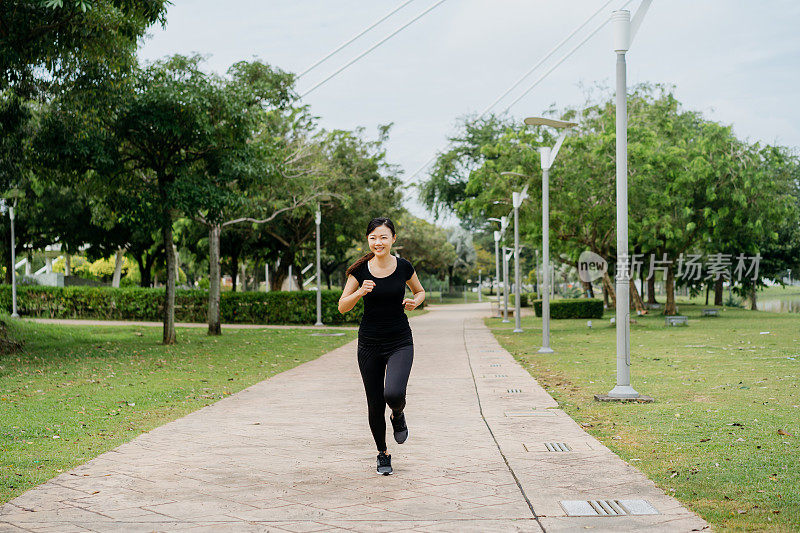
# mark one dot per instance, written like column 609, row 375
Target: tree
column 48, row 42
column 169, row 131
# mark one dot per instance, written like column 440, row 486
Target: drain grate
column 607, row 507
column 557, row 447
column 514, row 391
column 500, row 376
column 495, row 364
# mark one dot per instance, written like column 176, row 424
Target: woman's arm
column 419, row 293
column 351, row 293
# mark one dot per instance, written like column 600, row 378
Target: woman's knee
column 395, row 398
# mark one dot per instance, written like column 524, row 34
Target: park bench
column 710, row 312
column 497, row 308
column 676, row 320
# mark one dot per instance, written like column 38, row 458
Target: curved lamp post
column 497, row 276
column 10, row 208
column 517, row 198
column 318, row 221
column 548, row 155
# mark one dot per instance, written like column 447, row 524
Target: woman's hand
column 409, row 303
column 367, row 286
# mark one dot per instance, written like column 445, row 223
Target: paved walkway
column 294, row 453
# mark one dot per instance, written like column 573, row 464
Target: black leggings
column 392, row 364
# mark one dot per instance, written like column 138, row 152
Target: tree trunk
column 214, row 326
column 169, row 297
column 707, row 291
column 669, row 307
column 636, row 300
column 609, row 289
column 752, row 296
column 299, row 278
column 718, row 291
column 234, row 271
column 587, row 289
column 177, row 263
column 118, row 257
column 243, row 268
column 651, row 290
column 606, row 302
column 67, row 265
column 146, row 262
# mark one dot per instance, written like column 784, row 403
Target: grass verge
column 74, row 392
column 722, row 435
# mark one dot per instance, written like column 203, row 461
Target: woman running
column 385, row 344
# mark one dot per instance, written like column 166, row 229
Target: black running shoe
column 384, row 464
column 400, row 428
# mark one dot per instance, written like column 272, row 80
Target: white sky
column 735, row 60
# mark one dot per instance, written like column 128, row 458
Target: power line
column 433, row 158
column 401, row 28
column 546, row 57
column 564, row 58
column 318, row 63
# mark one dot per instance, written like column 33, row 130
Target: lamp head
column 496, row 236
column 621, row 23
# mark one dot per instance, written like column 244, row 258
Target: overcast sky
column 735, row 60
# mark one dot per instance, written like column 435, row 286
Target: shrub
column 134, row 303
column 524, row 299
column 572, row 308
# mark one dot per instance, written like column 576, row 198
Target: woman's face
column 380, row 240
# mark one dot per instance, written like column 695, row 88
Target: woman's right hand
column 367, row 286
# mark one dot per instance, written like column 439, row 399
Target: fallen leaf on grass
column 784, row 432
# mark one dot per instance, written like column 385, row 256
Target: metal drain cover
column 607, row 507
column 557, row 447
column 327, row 334
column 495, row 364
column 514, row 391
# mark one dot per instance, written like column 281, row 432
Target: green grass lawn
column 722, row 434
column 74, row 392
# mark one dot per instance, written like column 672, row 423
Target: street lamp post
column 516, row 200
column 317, row 220
column 547, row 156
column 624, row 31
column 10, row 208
column 497, row 274
column 505, row 284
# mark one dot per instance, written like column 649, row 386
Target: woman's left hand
column 409, row 303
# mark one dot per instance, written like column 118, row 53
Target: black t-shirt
column 384, row 320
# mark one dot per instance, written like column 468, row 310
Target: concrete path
column 294, row 453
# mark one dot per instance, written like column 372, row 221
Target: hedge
column 133, row 303
column 572, row 308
